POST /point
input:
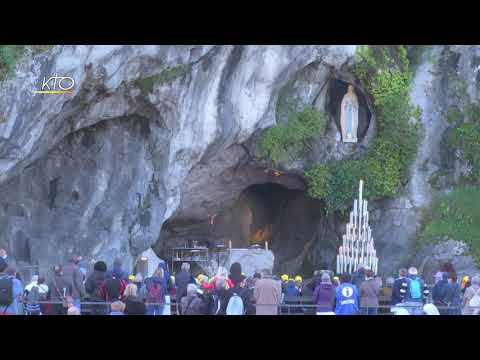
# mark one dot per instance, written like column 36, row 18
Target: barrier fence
column 283, row 309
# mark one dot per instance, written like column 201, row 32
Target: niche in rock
column 336, row 91
column 22, row 247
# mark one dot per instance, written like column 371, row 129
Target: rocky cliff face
column 147, row 128
column 157, row 141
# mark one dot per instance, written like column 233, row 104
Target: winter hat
column 326, row 278
column 100, row 266
column 236, row 268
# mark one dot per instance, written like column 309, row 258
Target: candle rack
column 357, row 244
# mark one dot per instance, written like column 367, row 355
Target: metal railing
column 282, row 309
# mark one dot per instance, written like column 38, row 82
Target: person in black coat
column 439, row 293
column 240, row 289
column 400, row 287
column 182, row 279
column 93, row 286
column 215, row 299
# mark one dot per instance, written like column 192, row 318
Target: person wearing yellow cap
column 299, row 284
column 465, row 283
column 200, row 279
column 131, row 278
column 284, row 278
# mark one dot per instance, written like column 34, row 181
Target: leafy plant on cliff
column 455, row 215
column 285, row 142
column 10, row 55
column 165, row 76
column 466, row 138
column 385, row 73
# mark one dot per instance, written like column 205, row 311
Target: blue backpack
column 415, row 288
column 235, row 305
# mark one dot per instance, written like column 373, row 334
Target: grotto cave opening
column 288, row 219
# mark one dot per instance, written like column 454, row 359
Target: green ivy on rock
column 284, row 143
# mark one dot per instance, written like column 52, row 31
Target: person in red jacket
column 113, row 287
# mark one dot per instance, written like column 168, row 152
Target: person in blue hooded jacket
column 291, row 289
column 346, row 297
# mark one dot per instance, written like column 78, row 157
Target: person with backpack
column 400, row 287
column 268, row 294
column 113, row 287
column 192, row 304
column 324, row 296
column 346, row 296
column 93, row 288
column 32, row 298
column 58, row 290
column 156, row 291
column 238, row 299
column 453, row 296
column 439, row 293
column 369, row 293
column 471, row 299
column 415, row 293
column 11, row 290
column 74, row 277
column 214, row 299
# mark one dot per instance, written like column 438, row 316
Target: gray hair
column 476, row 280
column 191, row 289
column 185, row 266
column 221, row 283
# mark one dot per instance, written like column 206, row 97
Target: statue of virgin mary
column 349, row 116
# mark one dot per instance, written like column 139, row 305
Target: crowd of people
column 114, row 292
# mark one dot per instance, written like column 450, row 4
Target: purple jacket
column 324, row 297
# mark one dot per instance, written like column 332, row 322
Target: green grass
column 455, row 215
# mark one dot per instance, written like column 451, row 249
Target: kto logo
column 57, row 85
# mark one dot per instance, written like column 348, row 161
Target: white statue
column 349, row 116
